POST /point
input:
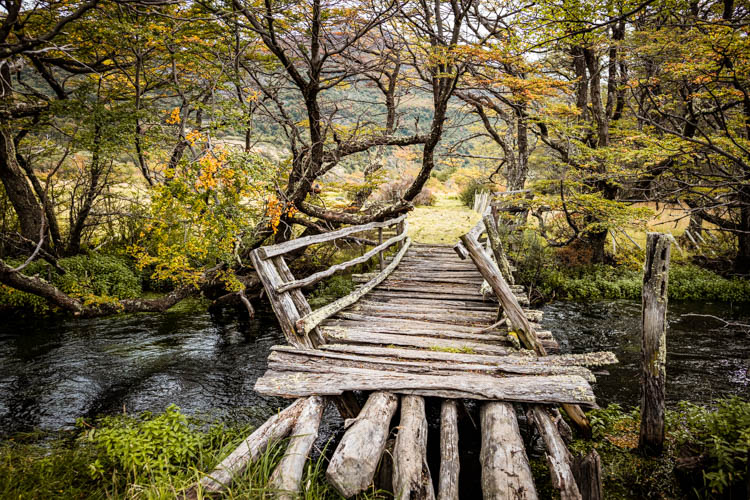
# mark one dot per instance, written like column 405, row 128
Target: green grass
column 456, row 350
column 145, row 457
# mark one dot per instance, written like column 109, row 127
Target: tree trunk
column 17, row 187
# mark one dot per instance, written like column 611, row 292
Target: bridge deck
column 422, row 330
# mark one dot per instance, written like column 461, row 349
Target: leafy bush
column 469, row 191
column 721, row 439
column 395, row 190
column 145, row 444
column 87, row 276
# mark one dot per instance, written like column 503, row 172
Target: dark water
column 54, row 371
column 704, row 360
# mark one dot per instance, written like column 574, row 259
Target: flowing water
column 53, row 371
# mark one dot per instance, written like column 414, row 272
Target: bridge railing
column 297, row 319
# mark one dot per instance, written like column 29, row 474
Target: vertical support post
column 380, row 254
column 654, row 343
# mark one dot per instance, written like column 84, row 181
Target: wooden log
column 279, row 249
column 654, row 343
column 283, row 358
column 505, row 468
column 315, row 278
column 353, row 464
column 496, row 245
column 272, row 431
column 310, row 321
column 552, row 389
column 504, row 293
column 287, row 476
column 411, row 475
column 587, row 359
column 381, row 262
column 449, row 462
column 579, row 418
column 588, row 473
column 460, row 251
column 300, row 302
column 558, row 457
column 282, row 303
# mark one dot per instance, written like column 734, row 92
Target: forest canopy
column 185, row 134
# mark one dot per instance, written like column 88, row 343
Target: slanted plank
column 505, row 468
column 353, row 464
column 287, row 476
column 521, row 358
column 272, row 431
column 287, row 358
column 559, row 459
column 554, row 389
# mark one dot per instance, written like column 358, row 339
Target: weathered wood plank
column 411, row 475
column 505, row 468
column 521, row 358
column 282, row 303
column 510, row 304
column 353, row 464
column 559, row 460
column 315, row 278
column 446, row 319
column 497, row 248
column 310, row 321
column 554, row 389
column 395, row 329
column 449, row 461
column 279, row 249
column 286, row 358
column 272, row 431
column 287, row 476
column 356, row 337
column 368, row 321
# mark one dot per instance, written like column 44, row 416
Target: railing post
column 380, row 254
column 654, row 343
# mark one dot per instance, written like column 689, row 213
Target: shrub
column 87, row 276
column 469, row 191
column 395, row 190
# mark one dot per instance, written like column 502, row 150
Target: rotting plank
column 553, row 389
column 523, row 358
column 284, row 358
column 332, row 331
column 353, row 337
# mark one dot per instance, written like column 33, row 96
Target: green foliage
column 93, row 277
column 469, row 191
column 541, row 268
column 145, row 444
column 721, row 437
column 333, row 288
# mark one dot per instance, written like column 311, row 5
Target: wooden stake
column 654, row 343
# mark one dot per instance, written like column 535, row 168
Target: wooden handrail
column 310, row 321
column 281, row 248
column 314, row 278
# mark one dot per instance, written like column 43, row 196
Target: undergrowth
column 705, row 454
column 144, row 457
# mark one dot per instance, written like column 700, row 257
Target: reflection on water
column 55, row 370
column 704, row 361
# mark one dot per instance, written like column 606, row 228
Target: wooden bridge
column 432, row 321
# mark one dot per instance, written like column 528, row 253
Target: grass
column 456, row 350
column 442, row 223
column 77, row 465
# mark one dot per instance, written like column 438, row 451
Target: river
column 55, row 370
